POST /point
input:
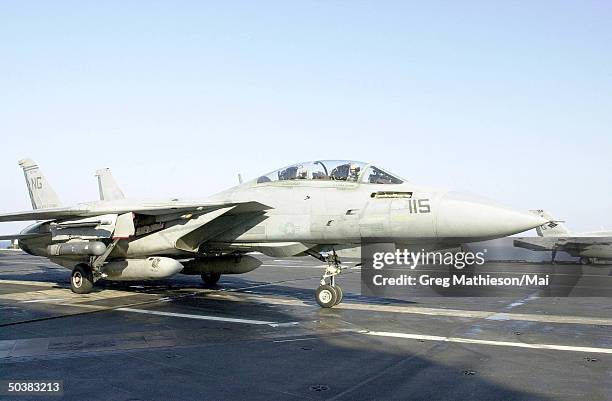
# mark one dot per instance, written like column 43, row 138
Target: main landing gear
column 81, row 279
column 329, row 294
column 84, row 275
column 210, row 279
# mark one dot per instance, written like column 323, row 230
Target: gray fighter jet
column 323, row 208
column 554, row 236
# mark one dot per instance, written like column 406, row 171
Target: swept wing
column 143, row 208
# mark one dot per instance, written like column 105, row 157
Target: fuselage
column 332, row 212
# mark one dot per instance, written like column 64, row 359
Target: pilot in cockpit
column 354, row 171
column 302, row 173
column 346, row 172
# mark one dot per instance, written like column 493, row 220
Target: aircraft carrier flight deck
column 261, row 335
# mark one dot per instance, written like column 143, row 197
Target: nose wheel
column 329, row 294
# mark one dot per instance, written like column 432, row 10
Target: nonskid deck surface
column 261, row 335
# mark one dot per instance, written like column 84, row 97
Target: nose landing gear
column 329, row 294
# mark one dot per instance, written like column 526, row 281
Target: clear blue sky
column 511, row 100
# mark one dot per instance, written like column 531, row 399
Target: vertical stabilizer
column 41, row 193
column 109, row 190
column 554, row 228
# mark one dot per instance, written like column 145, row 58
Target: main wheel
column 585, row 261
column 81, row 279
column 326, row 296
column 339, row 294
column 211, row 278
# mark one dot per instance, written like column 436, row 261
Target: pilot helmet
column 354, row 170
column 302, row 172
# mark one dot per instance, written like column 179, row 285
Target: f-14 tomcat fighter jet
column 314, row 208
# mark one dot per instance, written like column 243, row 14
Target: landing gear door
column 125, row 226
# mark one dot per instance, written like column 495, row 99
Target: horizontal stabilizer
column 535, row 244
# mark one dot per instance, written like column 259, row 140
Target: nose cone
column 469, row 218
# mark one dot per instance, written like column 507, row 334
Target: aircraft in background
column 554, row 236
column 323, row 208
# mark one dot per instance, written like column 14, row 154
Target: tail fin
column 109, row 190
column 41, row 193
column 554, row 228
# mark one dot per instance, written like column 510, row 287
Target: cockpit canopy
column 332, row 170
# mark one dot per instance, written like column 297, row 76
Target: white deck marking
column 36, row 283
column 199, row 317
column 294, row 265
column 555, row 347
column 42, row 300
column 296, row 339
column 34, row 264
column 477, row 314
